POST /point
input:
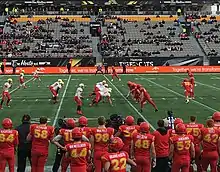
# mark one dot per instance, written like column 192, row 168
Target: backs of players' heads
column 43, row 120
column 144, row 127
column 83, row 121
column 160, row 123
column 216, row 116
column 180, row 128
column 7, row 123
column 129, row 120
column 192, row 118
column 210, row 123
column 116, row 144
column 101, row 120
column 26, row 118
column 139, row 121
column 77, row 134
column 70, row 123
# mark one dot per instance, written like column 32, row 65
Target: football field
column 165, row 89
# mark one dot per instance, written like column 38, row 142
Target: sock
column 2, row 102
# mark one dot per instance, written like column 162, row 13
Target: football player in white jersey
column 22, row 80
column 78, row 98
column 36, row 76
column 6, row 93
column 54, row 88
column 106, row 93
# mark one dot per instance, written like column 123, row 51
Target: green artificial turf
column 166, row 91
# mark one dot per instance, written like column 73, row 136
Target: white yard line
column 134, row 108
column 178, row 94
column 207, row 85
column 61, row 101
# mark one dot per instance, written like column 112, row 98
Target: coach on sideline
column 24, row 147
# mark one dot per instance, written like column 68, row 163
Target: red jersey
column 8, row 140
column 187, row 85
column 86, row 131
column 66, row 135
column 41, row 135
column 194, row 130
column 113, row 70
column 117, row 161
column 192, row 80
column 142, row 144
column 126, row 132
column 182, row 145
column 145, row 93
column 131, row 86
column 210, row 137
column 101, row 138
column 78, row 152
column 172, row 132
column 161, row 142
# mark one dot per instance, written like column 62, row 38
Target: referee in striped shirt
column 169, row 120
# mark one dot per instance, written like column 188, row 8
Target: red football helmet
column 216, row 116
column 144, row 127
column 76, row 133
column 210, row 123
column 129, row 83
column 7, row 123
column 70, row 123
column 129, row 120
column 116, row 144
column 83, row 121
column 186, row 80
column 180, row 128
column 138, row 86
column 178, row 121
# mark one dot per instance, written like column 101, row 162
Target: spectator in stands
column 24, row 147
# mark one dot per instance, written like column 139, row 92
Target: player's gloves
column 192, row 161
column 156, row 110
column 154, row 162
column 170, row 163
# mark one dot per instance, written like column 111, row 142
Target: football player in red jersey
column 78, row 152
column 114, row 74
column 142, row 149
column 40, row 135
column 6, row 93
column 161, row 142
column 21, row 80
column 8, row 144
column 145, row 97
column 210, row 146
column 177, row 121
column 186, row 84
column 125, row 132
column 193, row 128
column 83, row 123
column 99, row 139
column 216, row 118
column 131, row 87
column 116, row 160
column 66, row 135
column 192, row 81
column 181, row 149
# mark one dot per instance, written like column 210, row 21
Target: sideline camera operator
column 24, row 147
column 60, row 152
column 115, row 121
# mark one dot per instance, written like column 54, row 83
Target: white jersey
column 6, row 87
column 100, row 86
column 56, row 86
column 79, row 91
column 105, row 92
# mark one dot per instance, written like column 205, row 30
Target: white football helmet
column 104, row 82
column 81, row 85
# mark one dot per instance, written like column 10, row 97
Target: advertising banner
column 130, row 70
column 154, row 61
column 49, row 62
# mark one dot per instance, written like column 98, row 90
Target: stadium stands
column 53, row 37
